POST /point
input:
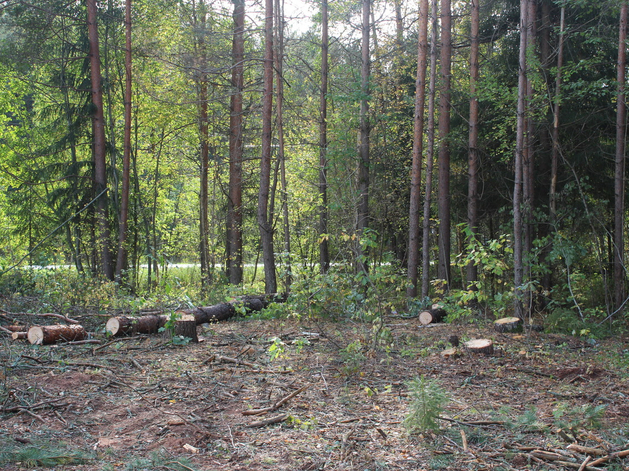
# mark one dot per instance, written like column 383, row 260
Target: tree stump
column 123, row 325
column 186, row 326
column 453, row 352
column 50, row 334
column 431, row 316
column 485, row 346
column 508, row 324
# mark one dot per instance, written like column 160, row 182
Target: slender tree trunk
column 473, row 155
column 264, row 222
column 204, row 225
column 363, row 151
column 324, row 248
column 234, row 224
column 518, row 268
column 444, row 145
column 554, row 158
column 99, row 149
column 279, row 60
column 121, row 261
column 430, row 151
column 418, row 140
column 619, row 173
column 528, row 161
column 199, row 21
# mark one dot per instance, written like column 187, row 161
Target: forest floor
column 143, row 403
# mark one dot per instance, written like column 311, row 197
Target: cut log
column 123, row 325
column 150, row 324
column 19, row 335
column 186, row 326
column 508, row 324
column 50, row 334
column 432, row 316
column 485, row 346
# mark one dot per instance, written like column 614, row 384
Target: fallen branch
column 45, row 314
column 269, row 421
column 586, row 450
column 611, row 456
column 235, row 360
column 278, row 404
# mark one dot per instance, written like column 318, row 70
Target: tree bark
column 363, row 149
column 324, row 248
column 518, row 268
column 99, row 143
column 234, row 204
column 472, row 191
column 554, row 166
column 484, row 346
column 508, row 324
column 444, row 145
column 418, row 140
column 432, row 316
column 264, row 220
column 279, row 60
column 204, row 157
column 50, row 334
column 121, row 260
column 430, row 151
column 619, row 172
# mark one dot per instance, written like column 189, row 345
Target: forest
column 349, row 235
column 470, row 151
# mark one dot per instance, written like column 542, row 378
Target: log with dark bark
column 50, row 334
column 485, row 346
column 224, row 311
column 123, row 325
column 150, row 324
column 508, row 324
column 431, row 316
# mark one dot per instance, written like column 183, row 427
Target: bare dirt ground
column 143, row 403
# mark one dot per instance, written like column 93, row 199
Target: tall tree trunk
column 279, row 60
column 518, row 268
column 430, row 151
column 234, row 205
column 619, row 173
column 444, row 144
column 99, row 144
column 199, row 21
column 472, row 190
column 264, row 221
column 121, row 261
column 528, row 161
column 418, row 140
column 554, row 158
column 363, row 151
column 324, row 248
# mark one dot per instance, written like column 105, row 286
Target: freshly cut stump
column 50, row 334
column 431, row 316
column 186, row 326
column 508, row 324
column 453, row 352
column 485, row 346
